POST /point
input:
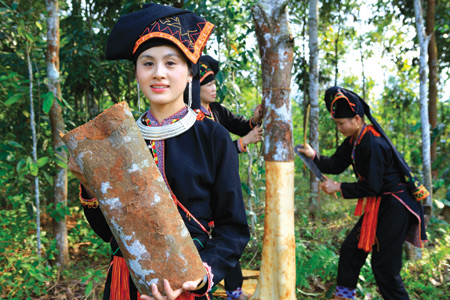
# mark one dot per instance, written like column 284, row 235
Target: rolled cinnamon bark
column 133, row 197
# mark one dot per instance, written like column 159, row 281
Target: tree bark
column 432, row 75
column 277, row 273
column 314, row 98
column 424, row 40
column 134, row 199
column 57, row 126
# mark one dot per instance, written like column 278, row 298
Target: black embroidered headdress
column 209, row 67
column 156, row 25
column 342, row 103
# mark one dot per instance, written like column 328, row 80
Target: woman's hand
column 253, row 137
column 171, row 294
column 307, row 151
column 257, row 114
column 330, row 186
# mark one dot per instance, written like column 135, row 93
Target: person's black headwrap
column 343, row 103
column 157, row 25
column 209, row 67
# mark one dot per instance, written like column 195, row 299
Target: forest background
column 370, row 47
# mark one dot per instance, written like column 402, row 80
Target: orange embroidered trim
column 340, row 96
column 200, row 115
column 420, row 193
column 373, row 131
column 206, row 75
column 198, row 46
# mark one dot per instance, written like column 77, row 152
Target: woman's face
column 208, row 93
column 347, row 126
column 162, row 73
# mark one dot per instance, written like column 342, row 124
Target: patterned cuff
column 88, row 203
column 208, row 284
column 241, row 146
column 345, row 292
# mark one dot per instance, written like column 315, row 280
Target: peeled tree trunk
column 134, row 199
column 426, row 158
column 57, row 125
column 277, row 273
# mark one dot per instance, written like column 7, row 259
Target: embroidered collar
column 207, row 112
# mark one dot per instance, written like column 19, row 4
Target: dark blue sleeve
column 235, row 124
column 338, row 162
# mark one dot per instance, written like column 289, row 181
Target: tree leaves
column 48, row 102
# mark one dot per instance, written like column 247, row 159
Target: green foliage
column 89, row 84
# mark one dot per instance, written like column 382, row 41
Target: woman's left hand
column 330, row 186
column 257, row 114
column 170, row 293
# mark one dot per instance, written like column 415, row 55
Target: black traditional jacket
column 234, row 124
column 201, row 168
column 378, row 174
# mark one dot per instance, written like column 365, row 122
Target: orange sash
column 369, row 223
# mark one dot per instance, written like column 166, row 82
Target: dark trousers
column 394, row 221
column 234, row 278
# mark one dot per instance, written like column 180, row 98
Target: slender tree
column 34, row 138
column 276, row 46
column 314, row 96
column 423, row 41
column 57, row 125
column 433, row 72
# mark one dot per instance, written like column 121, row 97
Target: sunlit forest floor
column 317, row 251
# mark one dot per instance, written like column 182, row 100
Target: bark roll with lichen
column 134, row 199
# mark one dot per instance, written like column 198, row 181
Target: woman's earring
column 190, row 92
column 139, row 96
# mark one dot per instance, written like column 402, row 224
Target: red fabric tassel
column 120, row 282
column 120, row 285
column 359, row 207
column 369, row 223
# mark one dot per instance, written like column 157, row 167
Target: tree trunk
column 314, row 98
column 433, row 75
column 134, row 199
column 57, row 125
column 277, row 273
column 423, row 40
column 33, row 134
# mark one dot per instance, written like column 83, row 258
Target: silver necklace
column 167, row 131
